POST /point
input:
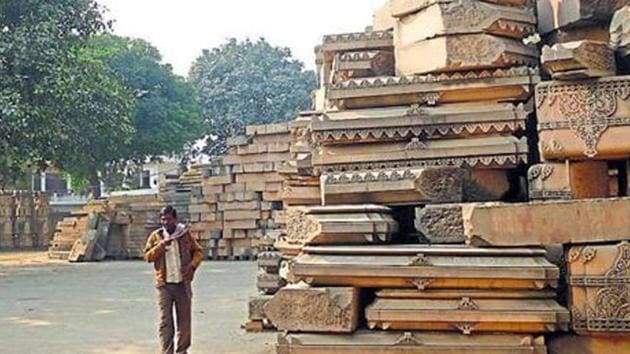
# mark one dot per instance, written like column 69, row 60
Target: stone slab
column 339, row 225
column 468, row 315
column 545, row 223
column 401, row 123
column 490, row 152
column 584, row 119
column 392, row 342
column 570, row 180
column 441, row 224
column 566, row 14
column 599, row 289
column 458, row 294
column 447, row 18
column 363, row 64
column 401, row 8
column 464, row 52
column 579, row 60
column 500, row 85
column 411, row 186
column 425, row 268
column 573, row 344
column 331, row 310
column 256, row 307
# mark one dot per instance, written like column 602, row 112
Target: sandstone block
column 359, row 224
column 401, row 8
column 431, row 185
column 546, row 223
column 333, row 310
column 572, row 344
column 599, row 289
column 570, row 180
column 468, row 315
column 489, row 152
column 393, row 342
column 505, row 85
column 441, row 223
column 401, row 123
column 584, row 119
column 579, row 60
column 256, row 307
column 363, row 64
column 463, row 53
column 447, row 18
column 564, row 14
column 425, row 267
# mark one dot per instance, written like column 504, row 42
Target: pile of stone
column 116, row 227
column 70, row 229
column 440, row 250
column 235, row 205
column 24, row 220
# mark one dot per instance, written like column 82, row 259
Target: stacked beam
column 73, row 227
column 24, row 220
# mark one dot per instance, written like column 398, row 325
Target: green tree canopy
column 242, row 83
column 57, row 105
column 166, row 118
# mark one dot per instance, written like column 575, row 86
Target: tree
column 242, row 83
column 166, row 118
column 58, row 105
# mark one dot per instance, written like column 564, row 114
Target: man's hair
column 169, row 210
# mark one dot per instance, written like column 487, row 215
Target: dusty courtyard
column 109, row 307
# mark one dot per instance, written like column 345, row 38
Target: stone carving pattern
column 300, row 227
column 541, row 172
column 611, row 310
column 588, row 109
column 471, row 161
column 407, row 338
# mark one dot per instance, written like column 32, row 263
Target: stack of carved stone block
column 142, row 212
column 24, row 220
column 72, row 228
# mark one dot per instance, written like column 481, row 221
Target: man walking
column 176, row 255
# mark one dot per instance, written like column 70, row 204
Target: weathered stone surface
column 400, row 8
column 458, row 294
column 360, row 64
column 269, row 261
column 572, row 344
column 547, row 223
column 256, row 307
column 269, row 283
column 425, row 267
column 489, row 152
column 346, row 42
column 503, row 85
column 359, row 224
column 468, row 315
column 579, row 60
column 599, row 288
column 620, row 36
column 392, row 342
column 560, row 14
column 463, row 53
column 402, row 123
column 570, row 180
column 584, row 119
column 409, row 186
column 442, row 18
column 315, row 310
column 441, row 223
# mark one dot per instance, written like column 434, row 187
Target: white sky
column 181, row 29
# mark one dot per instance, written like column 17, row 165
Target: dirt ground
column 56, row 307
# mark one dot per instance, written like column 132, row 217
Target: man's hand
column 166, row 243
